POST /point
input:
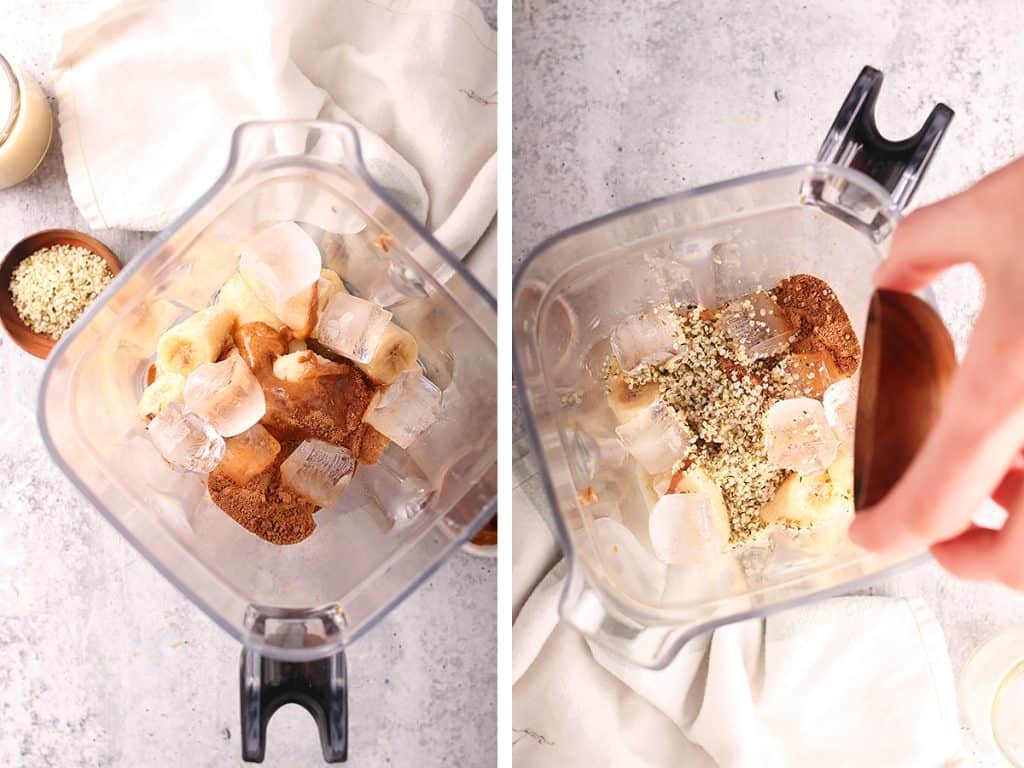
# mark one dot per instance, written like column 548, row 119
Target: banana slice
column 625, row 402
column 328, row 285
column 812, row 499
column 166, row 388
column 396, row 352
column 305, row 364
column 298, row 312
column 199, row 339
column 237, row 296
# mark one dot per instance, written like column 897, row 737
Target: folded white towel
column 863, row 682
column 149, row 93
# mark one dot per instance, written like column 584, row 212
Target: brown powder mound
column 329, row 408
column 370, row 445
column 263, row 506
column 821, row 323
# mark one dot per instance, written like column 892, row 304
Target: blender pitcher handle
column 319, row 686
column 854, row 141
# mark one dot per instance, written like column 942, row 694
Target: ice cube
column 799, row 437
column 626, row 560
column 248, row 454
column 655, row 437
column 644, row 338
column 840, row 401
column 186, row 440
column 352, row 327
column 682, row 530
column 283, row 258
column 757, row 324
column 226, row 394
column 401, row 493
column 318, row 471
column 405, row 408
column 809, row 374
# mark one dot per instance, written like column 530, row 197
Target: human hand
column 974, row 450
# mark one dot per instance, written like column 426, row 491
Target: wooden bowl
column 905, row 371
column 39, row 344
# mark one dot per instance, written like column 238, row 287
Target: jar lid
column 8, row 80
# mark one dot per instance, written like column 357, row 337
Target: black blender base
column 320, row 687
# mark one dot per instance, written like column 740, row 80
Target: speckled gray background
column 615, row 103
column 104, row 663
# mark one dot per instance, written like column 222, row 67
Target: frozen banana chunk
column 696, row 480
column 327, row 285
column 199, row 339
column 396, row 352
column 166, row 388
column 626, row 401
column 237, row 296
column 298, row 313
column 306, row 364
column 806, row 500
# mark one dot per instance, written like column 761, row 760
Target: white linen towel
column 149, row 93
column 863, row 682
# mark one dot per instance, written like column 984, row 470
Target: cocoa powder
column 328, row 408
column 819, row 320
column 263, row 505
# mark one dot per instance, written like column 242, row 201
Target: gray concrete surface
column 104, row 663
column 615, row 103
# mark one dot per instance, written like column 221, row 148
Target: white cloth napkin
column 149, row 93
column 863, row 682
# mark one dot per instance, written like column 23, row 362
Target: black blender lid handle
column 319, row 686
column 854, row 141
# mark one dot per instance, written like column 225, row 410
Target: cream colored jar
column 26, row 125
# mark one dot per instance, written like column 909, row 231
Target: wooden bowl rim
column 39, row 344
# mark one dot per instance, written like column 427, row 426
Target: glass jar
column 26, row 125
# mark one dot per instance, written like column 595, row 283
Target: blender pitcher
column 295, row 608
column 833, row 219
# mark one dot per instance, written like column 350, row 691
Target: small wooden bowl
column 39, row 344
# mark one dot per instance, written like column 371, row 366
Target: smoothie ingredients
column 283, row 387
column 723, row 408
column 53, row 287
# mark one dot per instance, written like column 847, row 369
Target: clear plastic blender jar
column 295, row 608
column 833, row 219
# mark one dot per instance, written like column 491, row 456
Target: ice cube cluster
column 281, row 257
column 406, row 408
column 757, row 325
column 226, row 394
column 318, row 471
column 654, row 437
column 352, row 327
column 185, row 439
column 799, row 437
column 645, row 338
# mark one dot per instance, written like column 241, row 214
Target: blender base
column 320, row 687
